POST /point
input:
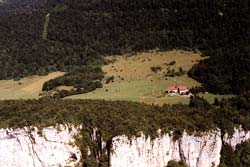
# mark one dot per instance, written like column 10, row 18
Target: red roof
column 180, row 87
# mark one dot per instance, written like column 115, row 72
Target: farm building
column 178, row 89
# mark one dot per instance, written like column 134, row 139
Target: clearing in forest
column 25, row 88
column 45, row 27
column 135, row 80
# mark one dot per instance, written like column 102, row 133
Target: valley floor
column 135, row 81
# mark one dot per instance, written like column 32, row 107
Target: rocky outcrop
column 24, row 147
column 239, row 136
column 202, row 151
column 197, row 151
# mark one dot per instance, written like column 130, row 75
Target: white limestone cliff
column 203, row 151
column 239, row 136
column 24, row 147
column 196, row 151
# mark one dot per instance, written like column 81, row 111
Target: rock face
column 25, row 148
column 196, row 151
column 238, row 136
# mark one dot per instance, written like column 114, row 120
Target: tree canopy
column 80, row 32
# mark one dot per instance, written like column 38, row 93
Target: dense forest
column 117, row 118
column 81, row 32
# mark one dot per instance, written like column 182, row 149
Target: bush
column 110, row 79
column 156, row 69
column 176, row 164
column 172, row 73
column 172, row 63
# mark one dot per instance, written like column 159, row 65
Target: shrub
column 156, row 69
column 172, row 63
column 110, row 79
column 176, row 164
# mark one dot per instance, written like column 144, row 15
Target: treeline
column 117, row 118
column 83, row 80
column 81, row 31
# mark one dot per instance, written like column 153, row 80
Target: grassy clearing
column 138, row 67
column 140, row 91
column 127, row 90
column 25, row 88
column 15, row 94
column 45, row 27
column 135, row 81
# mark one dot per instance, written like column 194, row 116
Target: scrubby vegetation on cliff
column 240, row 157
column 116, row 118
column 176, row 164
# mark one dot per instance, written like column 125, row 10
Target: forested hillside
column 80, row 32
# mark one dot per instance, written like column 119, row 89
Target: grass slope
column 135, row 81
column 25, row 88
column 127, row 90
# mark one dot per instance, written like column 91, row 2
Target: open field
column 140, row 91
column 135, row 81
column 138, row 67
column 25, row 88
column 127, row 90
